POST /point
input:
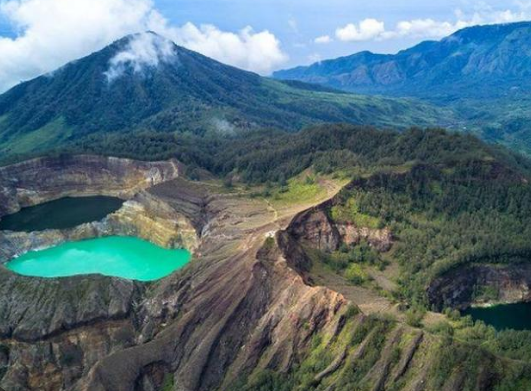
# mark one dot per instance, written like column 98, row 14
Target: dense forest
column 273, row 155
column 448, row 216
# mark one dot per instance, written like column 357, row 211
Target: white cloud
column 143, row 50
column 323, row 39
column 374, row 30
column 366, row 30
column 293, row 25
column 247, row 49
column 424, row 28
column 53, row 32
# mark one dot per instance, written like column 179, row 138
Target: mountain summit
column 145, row 82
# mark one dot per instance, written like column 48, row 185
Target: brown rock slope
column 238, row 316
column 45, row 179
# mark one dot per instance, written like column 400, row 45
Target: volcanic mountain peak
column 145, row 82
column 141, row 51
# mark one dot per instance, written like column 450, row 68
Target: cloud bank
column 375, row 30
column 256, row 51
column 54, row 32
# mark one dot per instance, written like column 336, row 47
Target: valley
column 480, row 74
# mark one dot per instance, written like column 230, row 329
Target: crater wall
column 44, row 179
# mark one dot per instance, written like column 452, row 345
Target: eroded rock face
column 45, row 179
column 380, row 239
column 317, row 229
column 466, row 286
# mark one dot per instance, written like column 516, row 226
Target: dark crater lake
column 63, row 213
column 506, row 316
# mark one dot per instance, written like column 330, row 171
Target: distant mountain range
column 480, row 61
column 144, row 82
column 483, row 73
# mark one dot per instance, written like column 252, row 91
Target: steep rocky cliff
column 239, row 313
column 45, row 179
column 315, row 227
column 480, row 285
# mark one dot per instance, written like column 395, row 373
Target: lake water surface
column 61, row 214
column 125, row 257
column 506, row 316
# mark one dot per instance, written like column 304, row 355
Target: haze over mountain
column 482, row 72
column 146, row 82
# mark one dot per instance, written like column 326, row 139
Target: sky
column 38, row 36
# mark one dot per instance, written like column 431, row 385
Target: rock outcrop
column 316, row 228
column 480, row 285
column 44, row 179
column 380, row 239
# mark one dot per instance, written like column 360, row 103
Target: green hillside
column 180, row 91
column 481, row 73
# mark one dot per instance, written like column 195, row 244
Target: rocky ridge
column 240, row 309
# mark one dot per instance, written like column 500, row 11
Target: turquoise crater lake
column 124, row 257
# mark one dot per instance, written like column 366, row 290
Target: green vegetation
column 349, row 212
column 512, row 344
column 446, row 215
column 168, row 382
column 191, row 95
column 48, row 137
column 485, row 293
column 486, row 90
column 352, row 262
column 366, row 343
column 300, row 189
column 275, row 156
